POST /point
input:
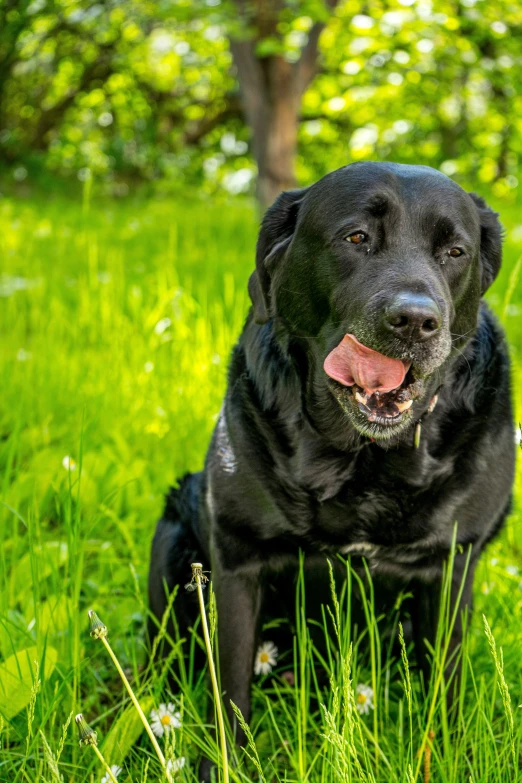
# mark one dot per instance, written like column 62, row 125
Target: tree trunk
column 275, row 134
column 271, row 92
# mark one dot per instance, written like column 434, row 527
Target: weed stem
column 107, row 768
column 198, row 577
column 99, row 631
column 89, row 737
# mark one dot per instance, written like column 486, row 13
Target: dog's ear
column 277, row 230
column 490, row 241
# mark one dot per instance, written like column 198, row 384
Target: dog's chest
column 367, row 518
column 384, row 503
column 392, row 534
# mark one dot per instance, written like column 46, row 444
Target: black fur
column 290, row 468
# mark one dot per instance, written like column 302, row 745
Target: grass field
column 116, row 321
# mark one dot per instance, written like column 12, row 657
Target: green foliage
column 17, row 674
column 419, row 83
column 107, row 87
column 147, row 89
column 125, row 732
column 116, row 324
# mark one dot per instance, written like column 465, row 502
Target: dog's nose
column 412, row 316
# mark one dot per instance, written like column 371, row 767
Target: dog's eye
column 455, row 252
column 357, row 238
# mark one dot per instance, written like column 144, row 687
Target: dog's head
column 377, row 270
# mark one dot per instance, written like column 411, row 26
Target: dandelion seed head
column 98, row 629
column 87, row 735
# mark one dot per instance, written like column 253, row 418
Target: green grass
column 91, row 370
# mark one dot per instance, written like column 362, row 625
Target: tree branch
column 306, row 66
column 99, row 69
column 194, row 134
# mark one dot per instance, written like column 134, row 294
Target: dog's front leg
column 238, row 601
column 426, row 612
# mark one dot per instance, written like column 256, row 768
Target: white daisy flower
column 364, row 699
column 164, row 719
column 69, row 463
column 174, row 765
column 115, row 771
column 162, row 325
column 266, row 658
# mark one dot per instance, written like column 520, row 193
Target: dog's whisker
column 461, row 353
column 459, row 336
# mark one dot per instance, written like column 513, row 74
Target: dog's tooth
column 360, row 398
column 403, row 406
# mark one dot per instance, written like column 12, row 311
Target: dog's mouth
column 370, row 384
column 385, row 408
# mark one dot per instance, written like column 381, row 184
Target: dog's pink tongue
column 352, row 362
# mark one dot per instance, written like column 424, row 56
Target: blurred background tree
column 275, row 51
column 184, row 93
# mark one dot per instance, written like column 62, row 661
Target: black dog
column 368, row 409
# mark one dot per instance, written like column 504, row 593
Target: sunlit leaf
column 17, row 675
column 125, row 732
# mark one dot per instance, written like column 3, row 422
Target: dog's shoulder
column 262, row 368
column 481, row 379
